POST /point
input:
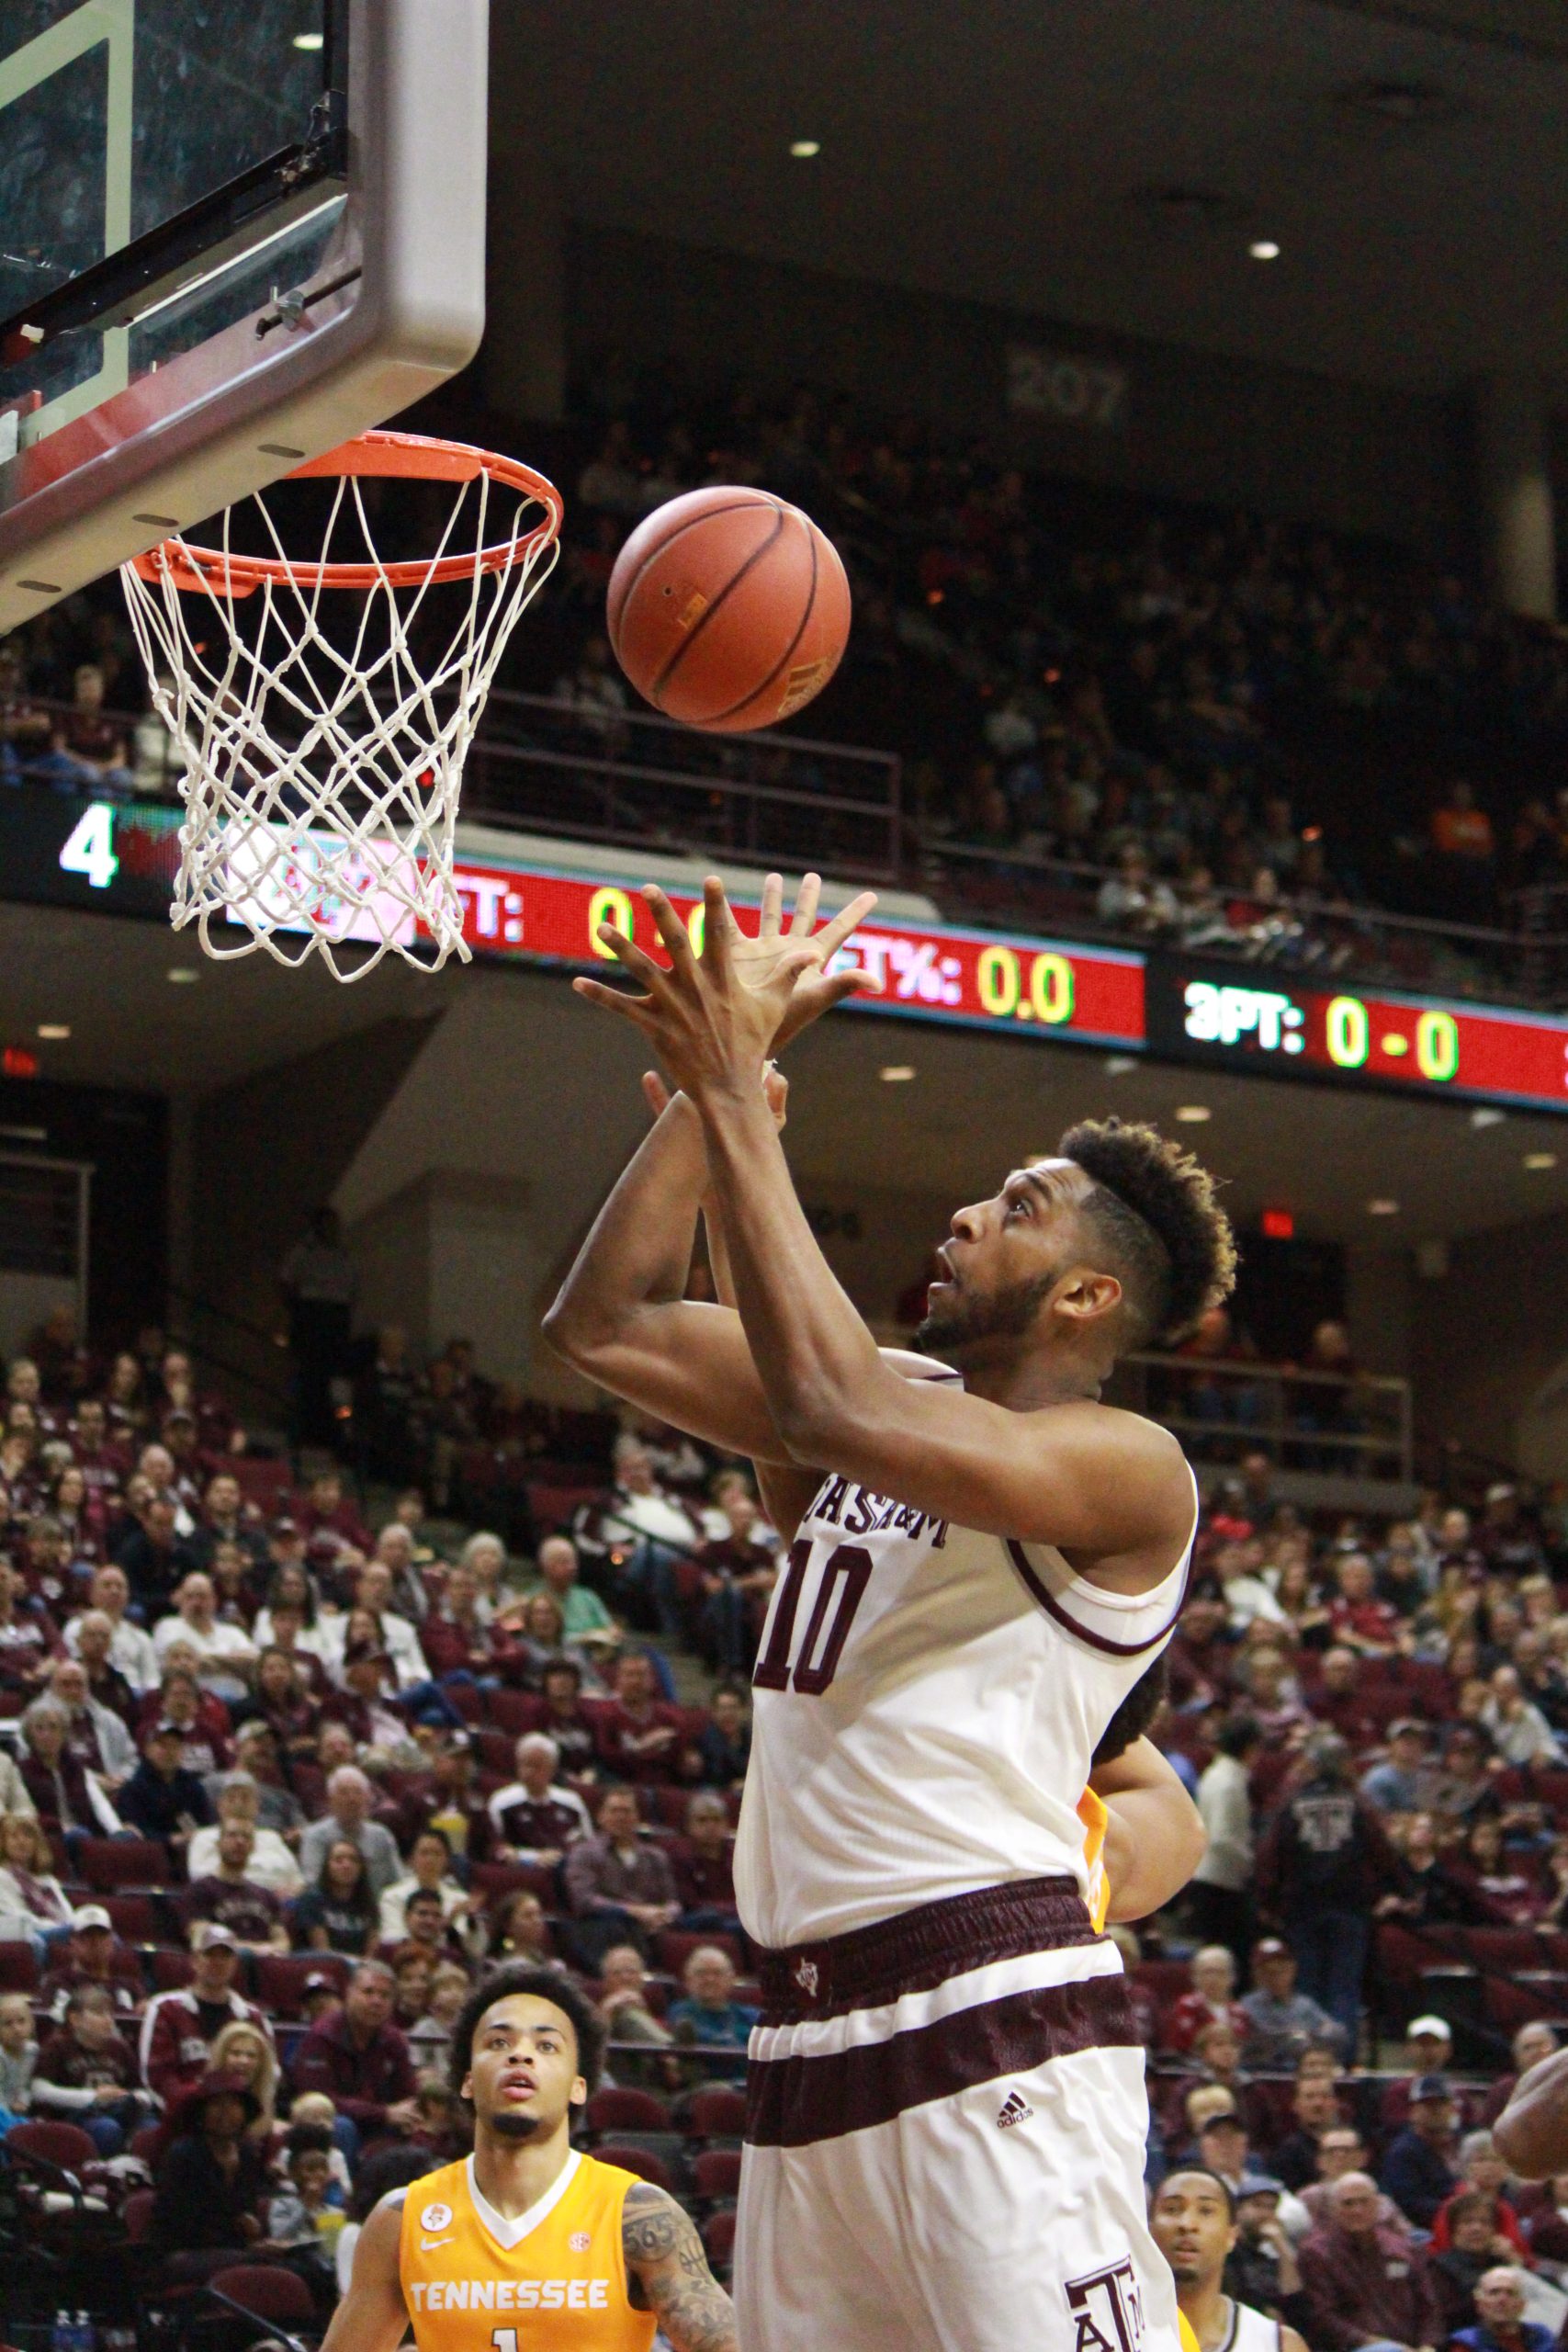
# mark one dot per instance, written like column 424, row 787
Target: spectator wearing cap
column 360, row 2058
column 1222, row 2146
column 1281, row 2021
column 1532, row 2046
column 535, row 1817
column 162, row 1799
column 1415, row 2171
column 87, row 1959
column 566, row 1719
column 1324, row 1863
column 256, row 1760
column 1428, row 2050
column 1402, row 1782
column 1210, row 1999
column 1500, row 2322
column 272, row 1863
column 364, row 1703
column 1365, row 2286
column 348, row 1815
column 228, row 1893
column 179, row 2029
column 1261, row 2269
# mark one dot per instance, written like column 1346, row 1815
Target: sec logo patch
column 579, row 2241
column 435, row 2217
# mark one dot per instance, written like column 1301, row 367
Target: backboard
column 234, row 234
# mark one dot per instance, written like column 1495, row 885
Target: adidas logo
column 1015, row 2109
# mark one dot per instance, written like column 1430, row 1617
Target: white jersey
column 927, row 1701
column 1251, row 2331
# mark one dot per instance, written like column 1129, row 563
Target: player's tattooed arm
column 669, row 2273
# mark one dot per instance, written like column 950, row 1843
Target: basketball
column 728, row 609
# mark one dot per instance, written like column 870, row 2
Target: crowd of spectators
column 281, row 1778
column 1224, row 728
column 282, row 1773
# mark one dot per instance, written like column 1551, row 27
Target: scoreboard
column 535, row 905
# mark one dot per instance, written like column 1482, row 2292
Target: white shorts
column 958, row 2166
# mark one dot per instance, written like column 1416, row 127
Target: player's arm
column 622, row 1316
column 372, row 2316
column 670, row 2274
column 1154, row 1836
column 1531, row 2132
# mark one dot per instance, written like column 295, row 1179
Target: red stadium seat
column 618, row 2109
column 500, row 1879
column 147, row 2142
column 262, row 1481
column 717, row 2113
column 18, row 1968
column 715, row 2174
column 108, row 1863
column 277, row 2296
column 279, row 1977
column 64, row 2144
column 642, row 2161
column 170, row 1968
column 718, row 2238
column 134, row 1916
column 136, row 2214
column 515, row 1712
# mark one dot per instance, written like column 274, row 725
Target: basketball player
column 1193, row 2221
column 1531, row 2132
column 946, row 2105
column 527, row 2241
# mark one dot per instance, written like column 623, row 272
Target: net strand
column 321, row 784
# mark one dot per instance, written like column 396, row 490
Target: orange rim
column 415, row 456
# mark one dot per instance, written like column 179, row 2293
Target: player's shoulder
column 435, row 2193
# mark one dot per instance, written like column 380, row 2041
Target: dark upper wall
column 1487, row 1337
column 1356, row 458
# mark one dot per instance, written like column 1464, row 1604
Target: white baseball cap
column 1429, row 2024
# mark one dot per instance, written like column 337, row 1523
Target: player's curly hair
column 1156, row 1209
column 546, row 1985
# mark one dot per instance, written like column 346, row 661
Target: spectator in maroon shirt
column 28, row 1638
column 201, row 1718
column 455, row 1639
column 621, row 1888
column 1211, row 2000
column 536, row 1818
column 1365, row 2284
column 88, row 744
column 704, row 1864
column 360, row 2059
column 336, row 1538
column 1357, row 1618
column 253, row 1913
column 90, row 1958
column 643, row 1738
column 1337, row 1701
column 64, row 1796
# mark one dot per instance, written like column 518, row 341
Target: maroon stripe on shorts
column 792, row 2102
column 915, row 1950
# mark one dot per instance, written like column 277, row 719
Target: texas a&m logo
column 1109, row 2307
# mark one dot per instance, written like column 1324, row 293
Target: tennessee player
column 527, row 2241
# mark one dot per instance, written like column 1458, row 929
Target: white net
column 323, row 711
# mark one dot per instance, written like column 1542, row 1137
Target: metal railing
column 1359, row 1425
column 582, row 771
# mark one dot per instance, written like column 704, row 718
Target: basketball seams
column 657, row 684
column 719, row 716
column 694, row 523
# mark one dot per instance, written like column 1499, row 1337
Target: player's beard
column 966, row 1319
column 510, row 2125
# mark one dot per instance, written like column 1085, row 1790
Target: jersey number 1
column 841, row 1591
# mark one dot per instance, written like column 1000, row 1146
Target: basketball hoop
column 323, row 753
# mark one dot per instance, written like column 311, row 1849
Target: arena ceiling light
column 1533, row 1159
column 1263, row 249
column 897, row 1073
column 55, row 1031
column 1484, row 1115
column 1192, row 1115
column 1382, row 1207
column 804, row 149
column 182, row 975
column 308, row 40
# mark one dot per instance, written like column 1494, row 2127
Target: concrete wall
column 1193, row 425
column 1490, row 1343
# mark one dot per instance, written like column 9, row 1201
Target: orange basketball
column 728, row 609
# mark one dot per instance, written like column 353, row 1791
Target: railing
column 1357, row 1426
column 632, row 778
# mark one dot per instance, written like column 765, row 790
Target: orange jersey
column 554, row 2280
column 1096, row 1894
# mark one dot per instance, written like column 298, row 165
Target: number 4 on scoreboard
column 90, row 849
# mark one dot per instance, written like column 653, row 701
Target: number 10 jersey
column 927, row 1701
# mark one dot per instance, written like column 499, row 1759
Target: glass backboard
column 232, row 233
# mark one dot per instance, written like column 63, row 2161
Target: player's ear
column 466, row 2088
column 577, row 2094
column 1086, row 1294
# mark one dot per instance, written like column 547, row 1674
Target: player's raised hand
column 719, row 1015
column 775, row 1091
